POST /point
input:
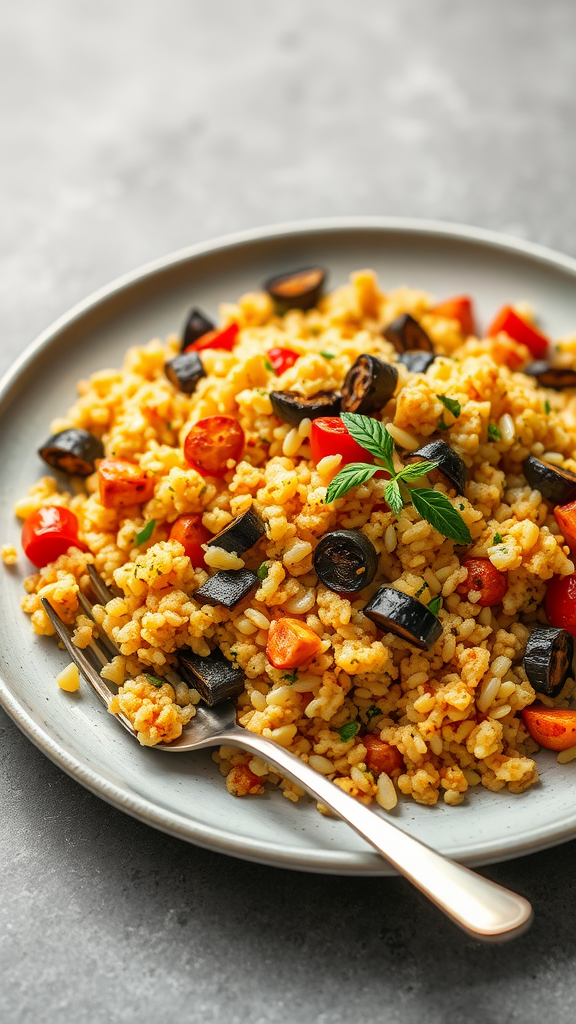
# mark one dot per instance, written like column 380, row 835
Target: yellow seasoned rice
column 453, row 713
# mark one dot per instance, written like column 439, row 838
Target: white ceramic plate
column 185, row 795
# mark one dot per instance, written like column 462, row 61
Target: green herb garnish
column 432, row 505
column 328, row 355
column 434, row 606
column 146, row 532
column 169, row 424
column 269, row 366
column 547, row 407
column 373, row 712
column 441, row 425
column 451, row 404
column 154, row 680
column 493, row 432
column 262, row 571
column 346, row 732
column 497, row 539
column 292, row 677
column 421, row 589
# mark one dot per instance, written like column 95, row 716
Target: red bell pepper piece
column 225, row 339
column 460, row 309
column 520, row 330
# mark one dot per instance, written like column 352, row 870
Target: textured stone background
column 134, row 127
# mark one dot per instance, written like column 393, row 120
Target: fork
column 483, row 909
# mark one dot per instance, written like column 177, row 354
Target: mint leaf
column 328, row 355
column 451, row 404
column 346, row 732
column 262, row 571
column 435, row 508
column 155, row 681
column 497, row 539
column 547, row 407
column 416, row 470
column 434, row 606
column 393, row 497
column 371, row 434
column 146, row 532
column 493, row 432
column 350, row 476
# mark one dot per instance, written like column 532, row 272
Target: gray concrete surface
column 133, row 127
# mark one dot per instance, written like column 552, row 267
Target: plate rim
column 219, row 839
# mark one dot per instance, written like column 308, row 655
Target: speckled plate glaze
column 185, row 795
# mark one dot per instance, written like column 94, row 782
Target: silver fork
column 480, row 907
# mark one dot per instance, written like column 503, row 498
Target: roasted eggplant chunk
column 370, row 383
column 72, row 451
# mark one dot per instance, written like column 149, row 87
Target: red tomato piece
column 561, row 602
column 553, row 728
column 330, row 436
column 48, row 533
column 190, row 532
column 460, row 309
column 291, row 643
column 281, row 359
column 225, row 339
column 212, row 443
column 123, row 483
column 515, row 327
column 566, row 519
column 483, row 576
column 382, row 756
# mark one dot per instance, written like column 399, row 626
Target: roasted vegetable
column 398, row 613
column 561, row 602
column 281, row 359
column 460, row 309
column 553, row 728
column 345, row 561
column 223, row 339
column 215, row 678
column 485, row 579
column 212, row 444
column 549, row 376
column 241, row 534
column 292, row 408
column 48, row 533
column 369, row 385
column 72, row 451
column 450, row 465
column 417, row 362
column 185, row 371
column 189, row 531
column 407, row 335
column 330, row 436
column 195, row 327
column 227, row 587
column 123, row 483
column 300, row 289
column 548, row 659
column 291, row 643
column 565, row 516
column 555, row 484
column 382, row 756
column 508, row 321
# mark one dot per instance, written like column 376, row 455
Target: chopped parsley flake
column 268, row 366
column 292, row 677
column 154, row 680
column 348, row 731
column 262, row 571
column 547, row 407
column 434, row 606
column 451, row 404
column 146, row 532
column 493, row 432
column 497, row 539
column 373, row 712
column 328, row 355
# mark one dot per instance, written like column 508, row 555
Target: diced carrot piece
column 553, row 728
column 460, row 309
column 291, row 643
column 566, row 519
column 382, row 756
column 123, row 483
column 508, row 321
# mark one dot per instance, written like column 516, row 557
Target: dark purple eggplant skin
column 417, row 362
column 215, row 678
column 297, row 289
column 398, row 613
column 184, row 371
column 450, row 465
column 72, row 451
column 369, row 385
column 227, row 587
column 292, row 408
column 549, row 376
column 407, row 335
column 548, row 659
column 241, row 534
column 345, row 561
column 196, row 326
column 555, row 484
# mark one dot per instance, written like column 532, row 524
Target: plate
column 185, row 796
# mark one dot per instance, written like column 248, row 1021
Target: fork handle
column 480, row 907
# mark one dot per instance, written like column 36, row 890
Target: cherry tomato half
column 190, row 532
column 553, row 728
column 516, row 327
column 330, row 437
column 460, row 309
column 281, row 359
column 123, row 483
column 225, row 339
column 212, row 443
column 215, row 339
column 48, row 533
column 561, row 602
column 483, row 576
column 566, row 519
column 382, row 756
